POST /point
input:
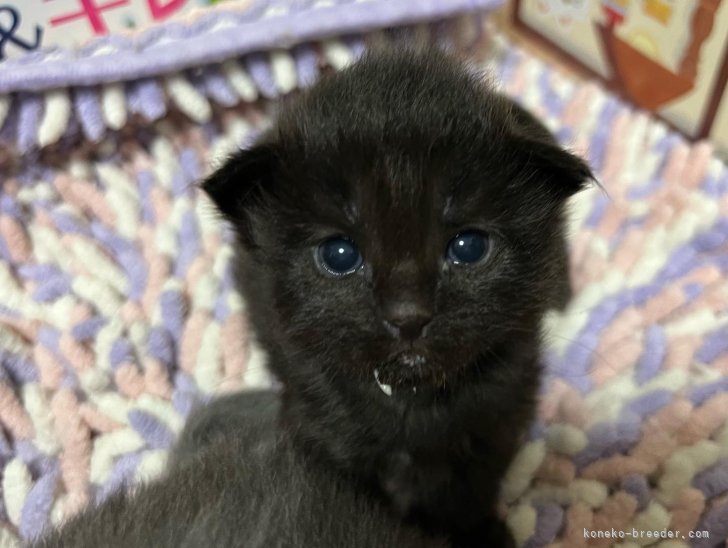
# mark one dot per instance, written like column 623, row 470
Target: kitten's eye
column 339, row 256
column 467, row 247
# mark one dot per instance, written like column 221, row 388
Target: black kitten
column 400, row 236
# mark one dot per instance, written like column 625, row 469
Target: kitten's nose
column 406, row 319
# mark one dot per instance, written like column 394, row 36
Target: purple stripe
column 111, row 239
column 713, row 482
column 121, row 351
column 550, row 518
column 715, row 522
column 68, row 223
column 259, row 70
column 88, row 109
column 146, row 97
column 4, row 253
column 180, row 185
column 603, row 133
column 137, row 272
column 184, row 402
column 156, row 434
column 642, row 192
column 161, row 345
column 713, row 238
column 121, row 475
column 29, row 113
column 553, row 103
column 189, row 242
column 88, row 329
column 37, row 506
column 17, row 367
column 648, row 404
column 714, row 187
column 10, row 206
column 145, row 182
column 638, row 487
column 714, row 346
column 49, row 337
column 692, row 291
column 306, row 61
column 682, row 261
column 52, row 289
column 222, row 310
column 216, row 87
column 174, row 311
column 598, row 210
column 190, row 163
column 606, row 439
column 701, row 394
column 38, row 272
column 653, row 355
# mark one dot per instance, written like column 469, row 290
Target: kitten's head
column 400, row 218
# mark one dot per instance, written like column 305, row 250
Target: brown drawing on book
column 644, row 81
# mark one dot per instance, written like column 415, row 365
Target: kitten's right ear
column 239, row 182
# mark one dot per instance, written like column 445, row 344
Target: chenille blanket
column 118, row 315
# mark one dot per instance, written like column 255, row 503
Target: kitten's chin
column 408, row 370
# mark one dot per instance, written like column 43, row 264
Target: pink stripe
column 686, row 510
column 156, row 379
column 75, row 438
column 129, row 380
column 13, row 416
column 97, row 421
column 15, row 239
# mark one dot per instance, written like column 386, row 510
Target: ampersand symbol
column 7, row 34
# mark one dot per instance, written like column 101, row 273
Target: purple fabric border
column 210, row 47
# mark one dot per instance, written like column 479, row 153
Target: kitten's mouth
column 407, row 371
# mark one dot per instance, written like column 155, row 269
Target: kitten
column 400, row 237
column 239, row 486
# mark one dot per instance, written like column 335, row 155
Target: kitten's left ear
column 241, row 180
column 564, row 172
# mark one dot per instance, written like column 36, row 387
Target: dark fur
column 399, row 152
column 241, row 485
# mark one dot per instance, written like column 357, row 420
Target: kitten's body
column 241, row 485
column 411, row 380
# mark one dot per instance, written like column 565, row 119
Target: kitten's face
column 403, row 221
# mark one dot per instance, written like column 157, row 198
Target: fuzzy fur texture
column 240, row 486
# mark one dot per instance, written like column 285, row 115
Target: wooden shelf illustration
column 645, row 81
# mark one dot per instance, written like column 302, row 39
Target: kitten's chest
column 425, row 455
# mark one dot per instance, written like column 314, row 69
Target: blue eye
column 339, row 256
column 467, row 247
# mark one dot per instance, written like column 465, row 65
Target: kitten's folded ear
column 564, row 172
column 239, row 182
